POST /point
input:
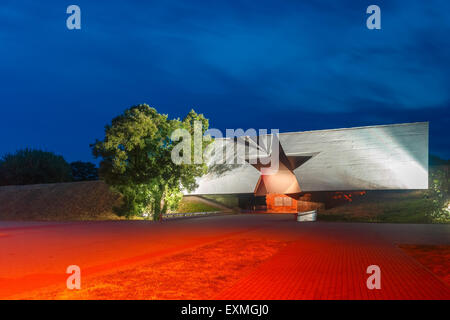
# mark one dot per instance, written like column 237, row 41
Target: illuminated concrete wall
column 368, row 158
column 387, row 157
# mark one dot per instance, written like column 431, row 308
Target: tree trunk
column 160, row 204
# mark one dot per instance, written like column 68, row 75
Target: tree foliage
column 136, row 160
column 439, row 192
column 84, row 171
column 29, row 166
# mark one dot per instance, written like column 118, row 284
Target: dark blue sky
column 292, row 65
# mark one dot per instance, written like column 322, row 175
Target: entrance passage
column 280, row 203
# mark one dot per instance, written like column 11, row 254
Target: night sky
column 288, row 65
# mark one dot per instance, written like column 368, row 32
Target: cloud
column 241, row 63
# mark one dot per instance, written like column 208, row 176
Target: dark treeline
column 33, row 166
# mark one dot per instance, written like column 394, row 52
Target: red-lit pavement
column 36, row 255
column 331, row 263
column 321, row 261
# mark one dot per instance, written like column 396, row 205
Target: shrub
column 84, row 171
column 438, row 193
column 28, row 166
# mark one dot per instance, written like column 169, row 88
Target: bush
column 30, row 166
column 439, row 193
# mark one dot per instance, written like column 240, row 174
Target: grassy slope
column 189, row 206
column 58, row 201
column 93, row 201
column 89, row 200
column 379, row 206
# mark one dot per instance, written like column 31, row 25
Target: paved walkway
column 331, row 264
column 321, row 261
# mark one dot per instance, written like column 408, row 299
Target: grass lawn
column 194, row 206
column 390, row 207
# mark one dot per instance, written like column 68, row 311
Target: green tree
column 136, row 160
column 29, row 166
column 84, row 171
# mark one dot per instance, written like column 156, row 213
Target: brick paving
column 320, row 261
column 332, row 263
